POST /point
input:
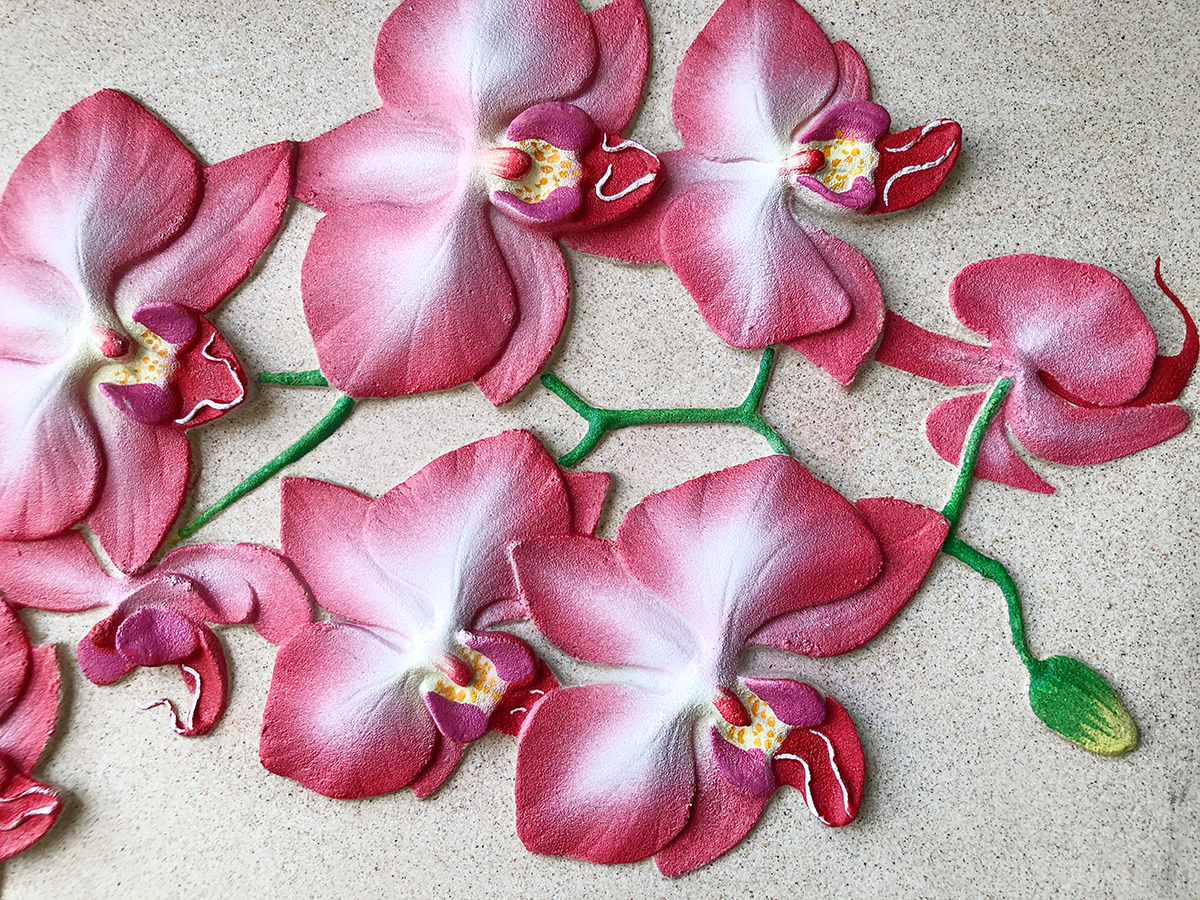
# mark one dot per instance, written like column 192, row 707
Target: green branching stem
column 600, row 420
column 312, row 378
column 310, row 441
column 985, row 565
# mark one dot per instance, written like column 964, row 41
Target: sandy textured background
column 1081, row 142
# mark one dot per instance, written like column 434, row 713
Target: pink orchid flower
column 773, row 118
column 29, row 682
column 114, row 244
column 435, row 263
column 409, row 671
column 160, row 617
column 677, row 754
column 1088, row 385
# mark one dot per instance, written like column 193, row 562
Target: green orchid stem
column 966, row 468
column 985, row 565
column 993, row 571
column 310, row 441
column 600, row 421
column 311, row 378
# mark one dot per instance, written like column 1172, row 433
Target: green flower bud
column 1074, row 700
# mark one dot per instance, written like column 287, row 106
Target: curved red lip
column 619, row 176
column 913, row 164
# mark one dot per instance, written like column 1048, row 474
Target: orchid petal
column 401, row 301
column 28, row 726
column 27, row 809
column 843, row 348
column 244, row 583
column 825, row 763
column 1075, row 321
column 757, row 69
column 470, row 60
column 341, row 717
column 380, row 157
column 40, row 313
column 854, row 83
column 107, row 185
column 448, row 528
column 321, row 532
column 622, row 34
column 59, row 573
column 757, row 275
column 539, row 276
column 732, row 549
column 586, row 602
column 242, row 205
column 441, row 766
column 146, row 477
column 1050, row 427
column 721, row 816
column 604, row 773
column 50, row 455
column 14, row 659
column 587, row 490
column 947, row 427
column 911, row 537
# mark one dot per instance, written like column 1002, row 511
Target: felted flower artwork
column 160, row 617
column 29, row 682
column 435, row 263
column 1088, row 385
column 775, row 118
column 676, row 755
column 114, row 244
column 409, row 671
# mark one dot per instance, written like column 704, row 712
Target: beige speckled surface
column 1081, row 142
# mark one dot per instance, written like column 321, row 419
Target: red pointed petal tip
column 826, row 764
column 27, row 809
column 619, row 175
column 913, row 164
column 210, row 380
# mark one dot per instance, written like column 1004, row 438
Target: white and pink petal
column 343, row 715
column 605, row 773
column 405, row 300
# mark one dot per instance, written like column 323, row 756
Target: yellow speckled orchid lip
column 846, row 159
column 552, row 168
column 485, row 689
column 152, row 362
column 763, row 732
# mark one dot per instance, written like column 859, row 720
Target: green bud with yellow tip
column 1074, row 700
